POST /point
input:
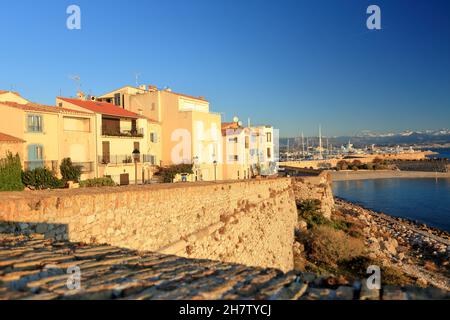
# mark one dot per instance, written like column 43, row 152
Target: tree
column 69, row 172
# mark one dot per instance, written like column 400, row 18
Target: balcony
column 137, row 133
column 33, row 164
column 86, row 167
column 126, row 159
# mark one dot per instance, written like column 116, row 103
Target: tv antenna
column 136, row 76
column 77, row 80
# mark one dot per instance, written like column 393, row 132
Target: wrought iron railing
column 85, row 166
column 33, row 164
column 123, row 133
column 126, row 159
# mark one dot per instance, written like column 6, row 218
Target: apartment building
column 248, row 151
column 118, row 133
column 190, row 132
column 46, row 134
column 263, row 151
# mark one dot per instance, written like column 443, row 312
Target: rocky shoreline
column 417, row 250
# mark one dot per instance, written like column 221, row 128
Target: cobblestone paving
column 35, row 268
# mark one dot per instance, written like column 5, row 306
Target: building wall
column 249, row 222
column 13, row 147
column 77, row 141
column 315, row 187
column 12, row 122
column 11, row 97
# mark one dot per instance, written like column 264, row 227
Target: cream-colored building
column 49, row 134
column 118, row 133
column 248, row 151
column 190, row 132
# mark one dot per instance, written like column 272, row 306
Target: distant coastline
column 385, row 174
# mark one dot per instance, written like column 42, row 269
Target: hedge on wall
column 11, row 173
column 41, row 178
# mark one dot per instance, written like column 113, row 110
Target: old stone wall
column 315, row 187
column 247, row 222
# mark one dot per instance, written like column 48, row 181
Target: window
column 76, row 124
column 233, row 140
column 117, row 99
column 269, row 153
column 233, row 158
column 247, row 142
column 269, row 136
column 34, row 123
column 153, row 137
column 35, row 157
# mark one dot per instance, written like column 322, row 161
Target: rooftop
column 101, row 107
column 7, row 138
column 40, row 108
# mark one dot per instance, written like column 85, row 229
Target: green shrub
column 10, row 173
column 342, row 165
column 69, row 172
column 97, row 182
column 169, row 173
column 41, row 178
column 309, row 210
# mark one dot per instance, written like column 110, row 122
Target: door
column 35, row 156
column 106, row 156
column 124, row 179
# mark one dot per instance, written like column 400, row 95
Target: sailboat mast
column 320, row 141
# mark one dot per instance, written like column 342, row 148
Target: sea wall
column 368, row 158
column 429, row 165
column 315, row 187
column 248, row 222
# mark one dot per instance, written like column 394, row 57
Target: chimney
column 152, row 88
column 81, row 95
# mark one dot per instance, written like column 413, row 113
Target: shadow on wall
column 54, row 231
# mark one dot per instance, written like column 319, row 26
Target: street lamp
column 136, row 155
column 215, row 170
column 195, row 160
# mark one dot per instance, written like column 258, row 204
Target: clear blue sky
column 294, row 64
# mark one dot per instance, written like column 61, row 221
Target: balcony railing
column 85, row 166
column 126, row 159
column 139, row 133
column 49, row 164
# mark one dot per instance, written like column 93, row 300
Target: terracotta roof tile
column 7, row 138
column 40, row 108
column 102, row 108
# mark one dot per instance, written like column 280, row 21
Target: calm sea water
column 424, row 200
column 443, row 153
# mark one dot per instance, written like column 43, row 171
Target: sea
column 442, row 153
column 426, row 200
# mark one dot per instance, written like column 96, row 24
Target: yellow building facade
column 50, row 134
column 190, row 133
column 118, row 133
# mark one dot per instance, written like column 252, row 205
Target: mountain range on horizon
column 366, row 137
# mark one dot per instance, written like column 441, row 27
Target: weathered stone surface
column 114, row 273
column 250, row 222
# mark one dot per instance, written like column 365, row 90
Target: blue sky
column 293, row 64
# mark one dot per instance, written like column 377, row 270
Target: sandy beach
column 385, row 174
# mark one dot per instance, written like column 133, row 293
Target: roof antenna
column 77, row 80
column 136, row 76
